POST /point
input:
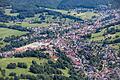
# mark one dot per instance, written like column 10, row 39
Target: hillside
column 109, row 36
column 62, row 4
column 36, row 3
column 82, row 3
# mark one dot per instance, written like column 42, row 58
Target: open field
column 7, row 12
column 36, row 18
column 99, row 37
column 65, row 72
column 28, row 61
column 19, row 71
column 2, row 44
column 4, row 32
column 58, row 10
column 115, row 46
column 84, row 15
column 26, row 24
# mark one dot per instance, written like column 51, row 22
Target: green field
column 84, row 15
column 5, row 32
column 2, row 44
column 65, row 72
column 99, row 37
column 26, row 24
column 7, row 12
column 28, row 61
column 5, row 61
column 48, row 19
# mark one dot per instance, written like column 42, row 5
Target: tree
column 16, row 78
column 3, row 72
column 43, row 77
column 119, row 52
column 22, row 65
column 11, row 66
column 12, row 74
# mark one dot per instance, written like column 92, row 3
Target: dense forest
column 63, row 4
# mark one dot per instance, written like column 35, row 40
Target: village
column 72, row 40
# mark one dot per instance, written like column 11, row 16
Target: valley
column 59, row 42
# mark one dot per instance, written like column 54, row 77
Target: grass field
column 26, row 24
column 99, row 36
column 5, row 61
column 65, row 72
column 115, row 46
column 2, row 44
column 7, row 12
column 28, row 61
column 48, row 18
column 4, row 32
column 84, row 15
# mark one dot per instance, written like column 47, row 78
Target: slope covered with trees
column 82, row 3
column 62, row 4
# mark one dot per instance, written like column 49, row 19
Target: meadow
column 82, row 15
column 100, row 37
column 28, row 61
column 5, row 32
column 8, row 12
column 19, row 71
